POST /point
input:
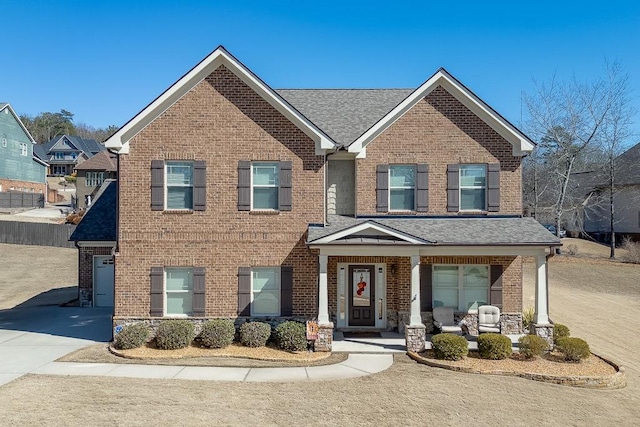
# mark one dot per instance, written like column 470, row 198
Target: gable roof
column 121, row 139
column 7, row 106
column 520, row 142
column 628, row 164
column 344, row 114
column 90, row 147
column 99, row 221
column 103, row 161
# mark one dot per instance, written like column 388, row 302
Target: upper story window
column 179, row 185
column 58, row 155
column 402, row 185
column 74, row 155
column 265, row 183
column 24, row 150
column 94, row 179
column 178, row 291
column 473, row 187
column 4, row 141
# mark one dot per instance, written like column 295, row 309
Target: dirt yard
column 599, row 300
column 37, row 275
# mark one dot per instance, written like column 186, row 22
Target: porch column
column 323, row 293
column 541, row 316
column 416, row 318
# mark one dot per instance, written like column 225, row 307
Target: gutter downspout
column 116, row 249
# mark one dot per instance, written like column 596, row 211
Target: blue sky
column 104, row 61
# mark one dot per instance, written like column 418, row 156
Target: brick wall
column 85, row 272
column 220, row 121
column 26, row 186
column 439, row 130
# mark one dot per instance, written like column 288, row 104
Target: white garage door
column 103, row 283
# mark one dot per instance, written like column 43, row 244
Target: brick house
column 358, row 208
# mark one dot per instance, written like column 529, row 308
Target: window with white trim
column 179, row 185
column 58, row 155
column 473, row 187
column 463, row 287
column 23, row 149
column 402, row 186
column 4, row 142
column 178, row 291
column 94, row 179
column 265, row 185
column 265, row 291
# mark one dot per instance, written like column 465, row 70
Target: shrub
column 633, row 251
column 573, row 349
column 217, row 333
column 255, row 334
column 291, row 336
column 559, row 331
column 532, row 346
column 572, row 249
column 131, row 336
column 174, row 334
column 494, row 346
column 527, row 317
column 449, row 346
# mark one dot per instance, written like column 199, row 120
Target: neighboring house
column 64, row 153
column 91, row 174
column 592, row 187
column 20, row 170
column 95, row 237
column 360, row 209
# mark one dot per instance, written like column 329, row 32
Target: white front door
column 103, row 281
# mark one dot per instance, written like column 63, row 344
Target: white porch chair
column 443, row 320
column 488, row 319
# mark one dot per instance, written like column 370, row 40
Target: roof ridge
column 347, row 88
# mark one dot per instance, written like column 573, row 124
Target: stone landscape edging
column 610, row 382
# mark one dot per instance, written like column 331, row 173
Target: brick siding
column 26, row 186
column 85, row 272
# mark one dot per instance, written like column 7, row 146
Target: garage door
column 103, row 283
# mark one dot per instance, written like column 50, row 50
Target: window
column 265, row 183
column 94, row 179
column 402, row 183
column 74, row 155
column 4, row 142
column 178, row 284
column 265, row 292
column 59, row 156
column 179, row 185
column 473, row 180
column 23, row 149
column 464, row 287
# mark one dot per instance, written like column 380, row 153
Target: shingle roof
column 344, row 114
column 103, row 161
column 451, row 231
column 89, row 146
column 99, row 222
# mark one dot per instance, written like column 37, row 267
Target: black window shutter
column 199, row 185
column 284, row 193
column 426, row 287
column 244, row 185
column 495, row 293
column 244, row 291
column 493, row 187
column 382, row 188
column 199, row 289
column 453, row 188
column 157, row 185
column 422, row 188
column 286, row 291
column 157, row 292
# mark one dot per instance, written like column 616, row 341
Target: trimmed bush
column 449, row 346
column 559, row 331
column 291, row 336
column 131, row 336
column 174, row 334
column 573, row 349
column 532, row 346
column 217, row 333
column 255, row 334
column 494, row 346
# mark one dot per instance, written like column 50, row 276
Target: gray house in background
column 91, row 174
column 64, row 153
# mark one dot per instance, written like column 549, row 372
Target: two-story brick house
column 362, row 209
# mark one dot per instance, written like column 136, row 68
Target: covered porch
column 377, row 277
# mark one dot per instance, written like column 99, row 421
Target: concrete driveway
column 34, row 336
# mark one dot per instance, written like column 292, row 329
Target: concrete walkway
column 356, row 365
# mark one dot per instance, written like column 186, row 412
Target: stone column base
column 545, row 331
column 325, row 337
column 415, row 336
